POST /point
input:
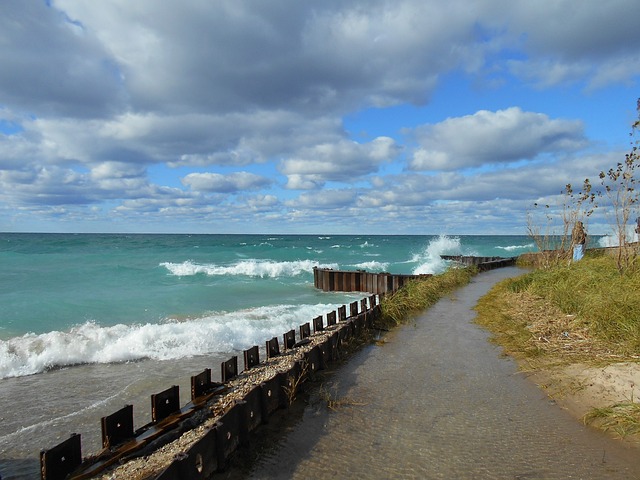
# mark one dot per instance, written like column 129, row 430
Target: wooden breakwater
column 237, row 418
column 226, row 413
column 329, row 280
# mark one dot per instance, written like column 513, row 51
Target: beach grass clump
column 584, row 308
column 418, row 295
column 594, row 292
column 498, row 312
column 622, row 418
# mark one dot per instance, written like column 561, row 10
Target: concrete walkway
column 438, row 401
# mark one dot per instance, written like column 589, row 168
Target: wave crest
column 429, row 260
column 512, row 248
column 373, row 266
column 249, row 268
column 92, row 343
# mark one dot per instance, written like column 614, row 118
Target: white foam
column 250, row 268
column 92, row 343
column 373, row 266
column 429, row 260
column 614, row 241
column 512, row 248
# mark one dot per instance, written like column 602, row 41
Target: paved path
column 440, row 402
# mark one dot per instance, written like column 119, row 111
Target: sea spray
column 430, row 261
column 612, row 240
column 372, row 266
column 249, row 268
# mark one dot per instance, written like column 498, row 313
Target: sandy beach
column 579, row 388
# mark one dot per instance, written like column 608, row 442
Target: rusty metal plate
column 200, row 384
column 363, row 305
column 229, row 434
column 117, row 427
column 289, row 339
column 314, row 360
column 344, row 332
column 271, row 393
column 273, row 348
column 229, row 369
column 372, row 301
column 253, row 408
column 335, row 344
column 325, row 353
column 318, row 325
column 305, row 330
column 353, row 309
column 251, row 357
column 199, row 462
column 331, row 319
column 165, row 403
column 59, row 461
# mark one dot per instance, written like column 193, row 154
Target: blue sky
column 289, row 116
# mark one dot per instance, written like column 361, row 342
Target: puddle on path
column 438, row 401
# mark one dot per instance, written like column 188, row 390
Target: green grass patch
column 418, row 295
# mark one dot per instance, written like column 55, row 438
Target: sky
column 309, row 117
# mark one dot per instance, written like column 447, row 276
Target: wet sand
column 436, row 400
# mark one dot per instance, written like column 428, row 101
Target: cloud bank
column 235, row 116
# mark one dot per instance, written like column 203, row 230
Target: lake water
column 92, row 322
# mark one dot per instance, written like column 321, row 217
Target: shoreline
column 154, row 460
column 579, row 388
column 585, row 376
column 575, row 388
column 416, row 408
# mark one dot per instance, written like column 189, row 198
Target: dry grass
column 582, row 313
column 623, row 419
column 330, row 397
column 294, row 382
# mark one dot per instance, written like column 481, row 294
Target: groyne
column 220, row 415
column 329, row 280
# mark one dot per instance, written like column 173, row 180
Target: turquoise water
column 119, row 297
column 91, row 322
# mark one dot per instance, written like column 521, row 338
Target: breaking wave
column 250, row 268
column 172, row 339
column 429, row 260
